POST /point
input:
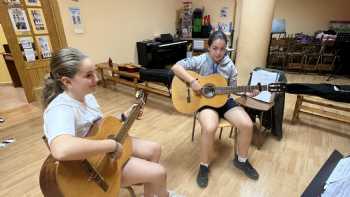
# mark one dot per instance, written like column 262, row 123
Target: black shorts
column 230, row 103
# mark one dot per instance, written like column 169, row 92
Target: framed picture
column 37, row 20
column 14, row 2
column 45, row 48
column 27, row 47
column 33, row 2
column 19, row 21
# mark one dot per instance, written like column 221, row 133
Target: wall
column 213, row 9
column 112, row 27
column 5, row 77
column 309, row 16
column 254, row 34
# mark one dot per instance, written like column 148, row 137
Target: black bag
column 164, row 76
column 340, row 93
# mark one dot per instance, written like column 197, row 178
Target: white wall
column 112, row 27
column 309, row 16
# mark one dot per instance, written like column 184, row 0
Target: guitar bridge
column 94, row 175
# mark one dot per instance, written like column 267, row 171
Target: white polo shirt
column 65, row 115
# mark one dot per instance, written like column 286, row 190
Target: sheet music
column 264, row 78
column 338, row 183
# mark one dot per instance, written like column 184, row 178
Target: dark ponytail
column 215, row 36
column 65, row 63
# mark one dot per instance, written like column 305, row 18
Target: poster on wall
column 27, row 48
column 278, row 25
column 19, row 21
column 76, row 20
column 224, row 12
column 37, row 20
column 224, row 26
column 45, row 48
column 33, row 3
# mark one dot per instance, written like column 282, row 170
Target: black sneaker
column 247, row 168
column 202, row 177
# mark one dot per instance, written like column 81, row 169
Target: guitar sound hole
column 208, row 91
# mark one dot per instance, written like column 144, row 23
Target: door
column 33, row 29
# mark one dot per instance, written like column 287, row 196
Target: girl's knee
column 157, row 149
column 247, row 125
column 209, row 129
column 156, row 152
column 159, row 172
column 151, row 152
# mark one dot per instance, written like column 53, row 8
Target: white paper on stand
column 264, row 78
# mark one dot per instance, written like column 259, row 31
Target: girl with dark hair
column 217, row 61
column 71, row 109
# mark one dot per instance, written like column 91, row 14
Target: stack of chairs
column 302, row 53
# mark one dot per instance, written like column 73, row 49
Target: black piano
column 157, row 55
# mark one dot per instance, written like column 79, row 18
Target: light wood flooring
column 11, row 98
column 286, row 167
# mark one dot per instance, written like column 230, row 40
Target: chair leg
column 235, row 141
column 297, row 108
column 194, row 126
column 220, row 133
column 131, row 191
column 231, row 132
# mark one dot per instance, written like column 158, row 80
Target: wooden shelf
column 131, row 79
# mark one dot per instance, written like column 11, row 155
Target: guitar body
column 70, row 178
column 181, row 91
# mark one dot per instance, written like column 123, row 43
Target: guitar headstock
column 277, row 87
column 140, row 96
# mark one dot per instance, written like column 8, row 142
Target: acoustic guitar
column 95, row 176
column 213, row 93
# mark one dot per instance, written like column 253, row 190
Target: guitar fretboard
column 126, row 126
column 231, row 89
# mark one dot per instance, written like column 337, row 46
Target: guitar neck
column 126, row 126
column 231, row 89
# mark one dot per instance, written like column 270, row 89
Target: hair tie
column 51, row 75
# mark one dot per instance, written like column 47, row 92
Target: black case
column 164, row 76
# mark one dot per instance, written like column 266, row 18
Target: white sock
column 204, row 164
column 242, row 159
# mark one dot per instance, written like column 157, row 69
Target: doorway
column 11, row 90
column 33, row 31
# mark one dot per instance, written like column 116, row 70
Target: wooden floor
column 11, row 98
column 286, row 167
